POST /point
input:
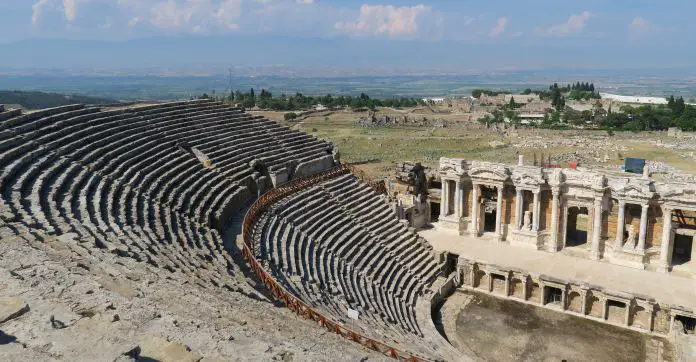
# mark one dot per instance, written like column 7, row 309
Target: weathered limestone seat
column 126, row 180
column 321, row 245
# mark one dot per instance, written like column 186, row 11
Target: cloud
column 228, row 13
column 379, row 20
column 640, row 26
column 305, row 2
column 499, row 28
column 575, row 24
column 168, row 15
column 37, row 9
column 70, row 9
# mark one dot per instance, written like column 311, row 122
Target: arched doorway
column 577, row 226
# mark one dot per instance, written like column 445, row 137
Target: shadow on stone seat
column 6, row 338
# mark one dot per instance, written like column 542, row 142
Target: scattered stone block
column 11, row 308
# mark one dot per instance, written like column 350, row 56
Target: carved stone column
column 643, row 226
column 596, row 229
column 499, row 213
column 537, row 210
column 458, row 200
column 555, row 204
column 443, row 199
column 519, row 207
column 620, row 224
column 474, row 210
column 667, row 240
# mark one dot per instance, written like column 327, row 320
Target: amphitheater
column 195, row 231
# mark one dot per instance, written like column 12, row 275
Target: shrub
column 290, row 116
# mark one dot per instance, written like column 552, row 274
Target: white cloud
column 640, row 26
column 37, row 9
column 385, row 20
column 228, row 12
column 305, row 2
column 499, row 27
column 575, row 24
column 70, row 9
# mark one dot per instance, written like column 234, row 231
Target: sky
column 438, row 35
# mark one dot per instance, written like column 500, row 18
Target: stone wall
column 637, row 312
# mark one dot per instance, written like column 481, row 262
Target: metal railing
column 278, row 291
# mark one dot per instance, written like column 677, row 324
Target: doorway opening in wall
column 490, row 208
column 688, row 323
column 434, row 211
column 553, row 295
column 578, row 220
column 683, row 245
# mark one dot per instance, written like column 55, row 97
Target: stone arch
column 481, row 279
column 517, row 288
column 575, row 301
column 595, row 306
column 639, row 317
column 498, row 283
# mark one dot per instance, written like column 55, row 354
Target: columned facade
column 617, row 217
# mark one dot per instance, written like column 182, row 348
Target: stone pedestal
column 449, row 222
column 527, row 239
column 630, row 258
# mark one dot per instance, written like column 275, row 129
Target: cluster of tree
column 37, row 100
column 642, row 118
column 298, row 101
column 650, row 117
column 476, row 93
column 500, row 116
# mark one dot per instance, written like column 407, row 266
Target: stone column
column 507, row 285
column 605, row 308
column 458, row 200
column 627, row 317
column 499, row 213
column 643, row 227
column 443, row 199
column 543, row 293
column 620, row 224
column 666, row 247
column 519, row 207
column 474, row 210
column 596, row 229
column 555, row 204
column 537, row 210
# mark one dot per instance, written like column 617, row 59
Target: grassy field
column 377, row 149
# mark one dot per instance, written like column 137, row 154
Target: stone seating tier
column 318, row 243
column 125, row 179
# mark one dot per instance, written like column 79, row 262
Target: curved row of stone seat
column 127, row 179
column 338, row 246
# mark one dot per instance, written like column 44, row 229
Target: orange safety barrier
column 278, row 291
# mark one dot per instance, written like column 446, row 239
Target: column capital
column 644, row 206
column 668, row 208
column 555, row 191
column 622, row 202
